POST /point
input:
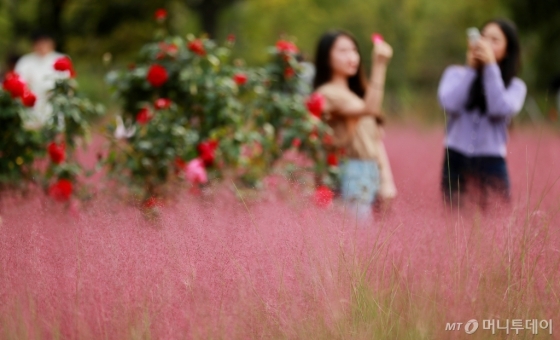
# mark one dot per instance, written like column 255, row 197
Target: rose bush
column 68, row 129
column 18, row 147
column 187, row 99
column 181, row 101
column 58, row 138
column 292, row 117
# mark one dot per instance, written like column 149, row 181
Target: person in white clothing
column 37, row 70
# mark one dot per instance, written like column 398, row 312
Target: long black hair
column 509, row 66
column 323, row 69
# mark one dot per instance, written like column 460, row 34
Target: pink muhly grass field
column 218, row 267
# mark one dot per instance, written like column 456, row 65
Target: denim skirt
column 359, row 181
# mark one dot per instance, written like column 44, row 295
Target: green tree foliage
column 542, row 19
column 427, row 35
column 118, row 26
column 208, row 12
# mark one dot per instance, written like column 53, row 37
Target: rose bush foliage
column 69, row 128
column 21, row 147
column 18, row 147
column 235, row 120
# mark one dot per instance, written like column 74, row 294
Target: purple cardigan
column 471, row 133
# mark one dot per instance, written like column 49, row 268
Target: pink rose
column 376, row 38
column 195, row 171
column 162, row 103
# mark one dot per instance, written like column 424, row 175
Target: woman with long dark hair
column 479, row 100
column 353, row 110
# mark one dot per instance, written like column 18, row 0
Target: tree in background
column 30, row 15
column 70, row 21
column 49, row 18
column 541, row 18
column 208, row 12
column 77, row 24
column 426, row 35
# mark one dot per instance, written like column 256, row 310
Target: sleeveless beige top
column 359, row 138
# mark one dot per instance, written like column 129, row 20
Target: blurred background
column 427, row 35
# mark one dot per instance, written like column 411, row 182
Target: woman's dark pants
column 487, row 173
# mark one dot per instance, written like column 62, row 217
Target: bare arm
column 382, row 54
column 347, row 103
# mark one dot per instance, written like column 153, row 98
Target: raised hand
column 471, row 59
column 484, row 53
column 382, row 52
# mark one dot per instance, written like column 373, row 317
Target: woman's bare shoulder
column 335, row 92
column 327, row 89
column 341, row 100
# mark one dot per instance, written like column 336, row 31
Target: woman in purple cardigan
column 479, row 100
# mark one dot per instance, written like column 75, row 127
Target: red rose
column 206, row 150
column 28, row 99
column 240, row 78
column 157, row 75
column 57, row 152
column 152, row 202
column 314, row 134
column 315, row 104
column 323, row 196
column 332, row 160
column 61, row 190
column 162, row 103
column 284, row 46
column 143, row 116
column 170, row 49
column 14, row 84
column 160, row 14
column 296, row 142
column 63, row 64
column 197, row 47
column 327, row 139
column 289, row 72
column 180, row 164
